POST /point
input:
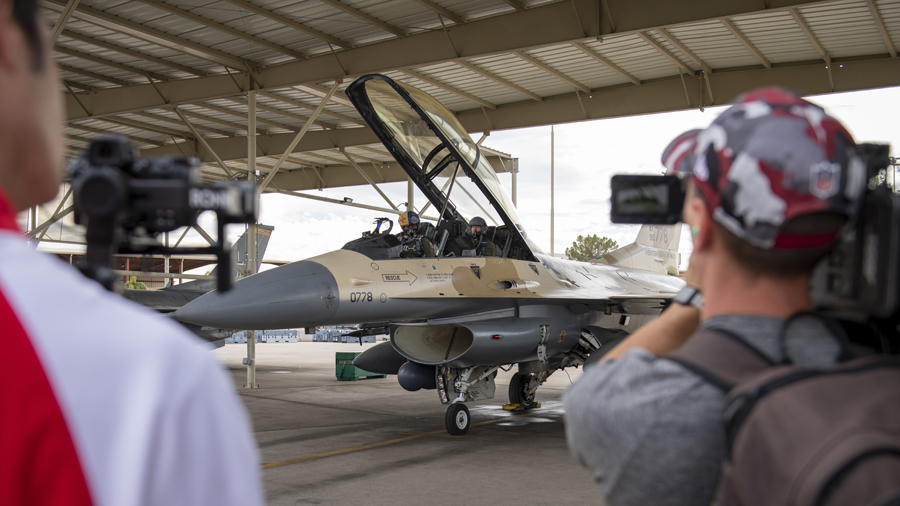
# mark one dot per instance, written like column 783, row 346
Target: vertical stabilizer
column 263, row 233
column 654, row 250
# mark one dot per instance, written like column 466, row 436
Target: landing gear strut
column 457, row 419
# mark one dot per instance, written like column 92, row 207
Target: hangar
column 254, row 89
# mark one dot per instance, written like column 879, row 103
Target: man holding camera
column 774, row 181
column 105, row 403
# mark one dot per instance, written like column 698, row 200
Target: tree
column 134, row 284
column 585, row 248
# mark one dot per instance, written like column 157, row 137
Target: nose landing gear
column 457, row 419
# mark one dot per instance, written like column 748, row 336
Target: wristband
column 689, row 296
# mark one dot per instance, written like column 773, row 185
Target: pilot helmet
column 409, row 219
column 477, row 222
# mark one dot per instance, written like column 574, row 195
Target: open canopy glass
column 439, row 156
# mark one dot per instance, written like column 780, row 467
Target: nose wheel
column 457, row 419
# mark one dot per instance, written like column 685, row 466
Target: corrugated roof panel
column 196, row 32
column 890, row 14
column 777, row 36
column 674, row 50
column 451, row 101
column 572, row 62
column 140, row 45
column 471, row 10
column 714, row 44
column 465, row 80
column 524, row 74
column 635, row 56
column 96, row 68
column 185, row 131
column 410, row 17
column 844, row 28
column 115, row 56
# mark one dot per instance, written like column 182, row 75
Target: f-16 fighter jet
column 457, row 318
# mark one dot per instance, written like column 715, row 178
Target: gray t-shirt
column 650, row 431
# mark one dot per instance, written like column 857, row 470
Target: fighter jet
column 457, row 318
column 172, row 297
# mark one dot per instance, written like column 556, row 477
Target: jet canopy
column 443, row 161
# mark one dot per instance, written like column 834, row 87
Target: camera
column 858, row 281
column 125, row 202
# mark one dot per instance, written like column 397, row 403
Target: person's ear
column 702, row 228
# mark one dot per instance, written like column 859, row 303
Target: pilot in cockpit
column 482, row 245
column 414, row 244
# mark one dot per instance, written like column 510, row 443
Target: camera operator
column 105, row 403
column 775, row 180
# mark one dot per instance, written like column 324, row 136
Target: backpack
column 802, row 436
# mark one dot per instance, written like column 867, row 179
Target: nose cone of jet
column 301, row 294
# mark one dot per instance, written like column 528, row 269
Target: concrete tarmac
column 369, row 442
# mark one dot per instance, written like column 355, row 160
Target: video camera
column 859, row 280
column 126, row 202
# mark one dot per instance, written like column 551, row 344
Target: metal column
column 251, row 231
column 410, row 194
column 515, row 185
column 551, row 191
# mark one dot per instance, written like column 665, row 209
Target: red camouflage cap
column 680, row 155
column 772, row 157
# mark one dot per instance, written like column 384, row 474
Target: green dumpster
column 344, row 369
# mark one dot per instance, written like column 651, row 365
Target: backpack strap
column 722, row 358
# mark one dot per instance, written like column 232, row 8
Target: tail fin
column 654, row 250
column 263, row 233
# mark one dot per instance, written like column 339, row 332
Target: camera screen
column 643, row 199
column 646, row 199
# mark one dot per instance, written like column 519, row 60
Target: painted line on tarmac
column 369, row 446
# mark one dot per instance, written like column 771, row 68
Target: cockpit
column 446, row 165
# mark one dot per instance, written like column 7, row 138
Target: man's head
column 31, row 113
column 409, row 221
column 777, row 179
column 477, row 226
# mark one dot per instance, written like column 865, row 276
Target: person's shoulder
column 55, row 302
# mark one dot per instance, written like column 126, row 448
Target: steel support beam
column 447, row 87
column 494, row 35
column 552, row 71
column 203, row 142
column 251, row 229
column 62, row 202
column 223, row 28
column 110, row 63
column 310, row 107
column 262, row 11
column 129, row 52
column 696, row 59
column 665, row 52
column 497, row 79
column 369, row 179
column 442, row 11
column 128, row 27
column 63, row 19
column 605, row 61
column 746, row 42
column 815, row 42
column 879, row 21
column 299, row 136
column 365, row 17
column 664, row 95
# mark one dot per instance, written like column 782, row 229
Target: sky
column 587, row 154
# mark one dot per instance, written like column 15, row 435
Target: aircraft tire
column 457, row 419
column 517, row 390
